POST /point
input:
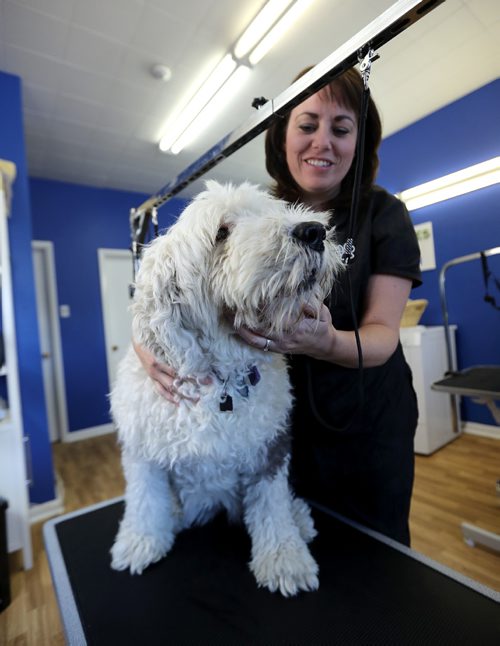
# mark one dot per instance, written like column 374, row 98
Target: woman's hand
column 378, row 329
column 312, row 336
column 165, row 378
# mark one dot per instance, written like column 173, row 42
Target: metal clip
column 365, row 64
column 258, row 102
column 348, row 251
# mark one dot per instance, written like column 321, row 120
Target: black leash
column 349, row 249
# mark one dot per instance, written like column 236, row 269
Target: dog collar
column 241, row 383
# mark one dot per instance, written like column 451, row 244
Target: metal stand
column 479, row 382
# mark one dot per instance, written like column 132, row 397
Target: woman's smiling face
column 320, row 143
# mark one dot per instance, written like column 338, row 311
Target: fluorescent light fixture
column 215, row 107
column 262, row 33
column 209, row 88
column 463, row 181
column 259, row 26
column 278, row 30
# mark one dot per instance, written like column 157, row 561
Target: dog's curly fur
column 235, row 257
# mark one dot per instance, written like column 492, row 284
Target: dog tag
column 241, row 386
column 253, row 376
column 226, row 404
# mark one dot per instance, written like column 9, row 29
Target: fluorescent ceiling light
column 259, row 26
column 216, row 105
column 209, row 88
column 463, row 181
column 277, row 31
column 262, row 33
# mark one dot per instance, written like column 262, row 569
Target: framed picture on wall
column 425, row 238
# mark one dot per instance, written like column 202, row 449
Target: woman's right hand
column 165, row 378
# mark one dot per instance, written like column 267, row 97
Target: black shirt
column 352, row 438
column 385, row 243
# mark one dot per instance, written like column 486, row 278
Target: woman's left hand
column 312, row 336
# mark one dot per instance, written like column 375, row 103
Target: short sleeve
column 395, row 250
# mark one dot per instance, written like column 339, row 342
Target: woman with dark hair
column 352, row 429
column 347, row 89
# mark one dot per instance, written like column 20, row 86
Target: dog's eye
column 222, row 233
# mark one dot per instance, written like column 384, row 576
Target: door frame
column 46, row 247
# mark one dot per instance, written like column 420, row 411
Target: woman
column 352, row 431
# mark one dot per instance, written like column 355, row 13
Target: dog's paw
column 302, row 517
column 289, row 568
column 136, row 552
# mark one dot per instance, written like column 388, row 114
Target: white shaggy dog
column 235, row 257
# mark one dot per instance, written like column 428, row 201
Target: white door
column 50, row 339
column 116, row 274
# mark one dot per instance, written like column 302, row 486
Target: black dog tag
column 226, row 404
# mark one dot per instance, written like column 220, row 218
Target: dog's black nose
column 310, row 233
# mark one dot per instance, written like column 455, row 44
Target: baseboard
column 46, row 510
column 87, row 433
column 484, row 430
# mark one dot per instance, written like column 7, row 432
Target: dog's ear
column 170, row 312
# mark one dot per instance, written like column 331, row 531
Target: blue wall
column 28, row 347
column 79, row 220
column 459, row 135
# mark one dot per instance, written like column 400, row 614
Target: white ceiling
column 93, row 113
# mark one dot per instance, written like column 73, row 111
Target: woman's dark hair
column 347, row 89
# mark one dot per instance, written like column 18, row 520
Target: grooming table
column 372, row 590
column 482, row 383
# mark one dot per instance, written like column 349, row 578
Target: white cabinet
column 425, row 351
column 13, row 476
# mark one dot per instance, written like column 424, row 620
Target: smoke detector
column 161, row 72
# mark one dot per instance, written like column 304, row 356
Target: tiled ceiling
column 93, row 113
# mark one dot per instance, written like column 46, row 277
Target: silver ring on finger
column 266, row 347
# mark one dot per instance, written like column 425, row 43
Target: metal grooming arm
column 361, row 49
column 380, row 31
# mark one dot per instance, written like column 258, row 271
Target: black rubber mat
column 203, row 592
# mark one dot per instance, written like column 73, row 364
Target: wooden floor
column 455, row 484
column 458, row 484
